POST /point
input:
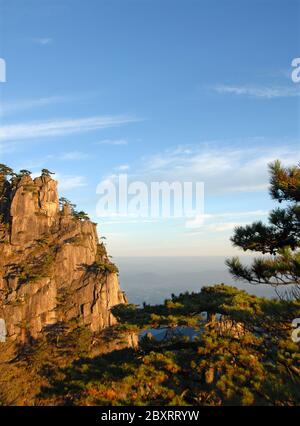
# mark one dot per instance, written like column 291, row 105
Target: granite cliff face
column 52, row 267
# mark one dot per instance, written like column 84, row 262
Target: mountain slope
column 52, row 267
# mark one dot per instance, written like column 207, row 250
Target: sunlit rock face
column 34, row 209
column 52, row 266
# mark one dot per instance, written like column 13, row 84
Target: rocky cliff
column 53, row 268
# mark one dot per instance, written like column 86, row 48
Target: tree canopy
column 279, row 239
column 46, row 172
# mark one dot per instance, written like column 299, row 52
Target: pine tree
column 279, row 239
column 24, row 172
column 47, row 173
column 5, row 171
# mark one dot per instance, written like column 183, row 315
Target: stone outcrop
column 52, row 266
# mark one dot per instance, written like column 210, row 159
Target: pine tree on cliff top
column 279, row 240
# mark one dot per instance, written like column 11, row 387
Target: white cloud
column 73, row 156
column 224, row 226
column 113, row 142
column 219, row 227
column 43, row 41
column 127, row 220
column 11, row 107
column 39, row 163
column 123, row 167
column 249, row 188
column 223, row 166
column 198, row 221
column 21, row 131
column 70, row 182
column 259, row 92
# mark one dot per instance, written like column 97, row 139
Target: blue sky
column 194, row 90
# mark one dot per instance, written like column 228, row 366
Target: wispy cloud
column 265, row 92
column 70, row 182
column 123, row 167
column 248, row 188
column 219, row 227
column 224, row 166
column 39, row 163
column 127, row 220
column 73, row 156
column 199, row 221
column 11, row 107
column 113, row 142
column 43, row 41
column 51, row 128
column 224, row 226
